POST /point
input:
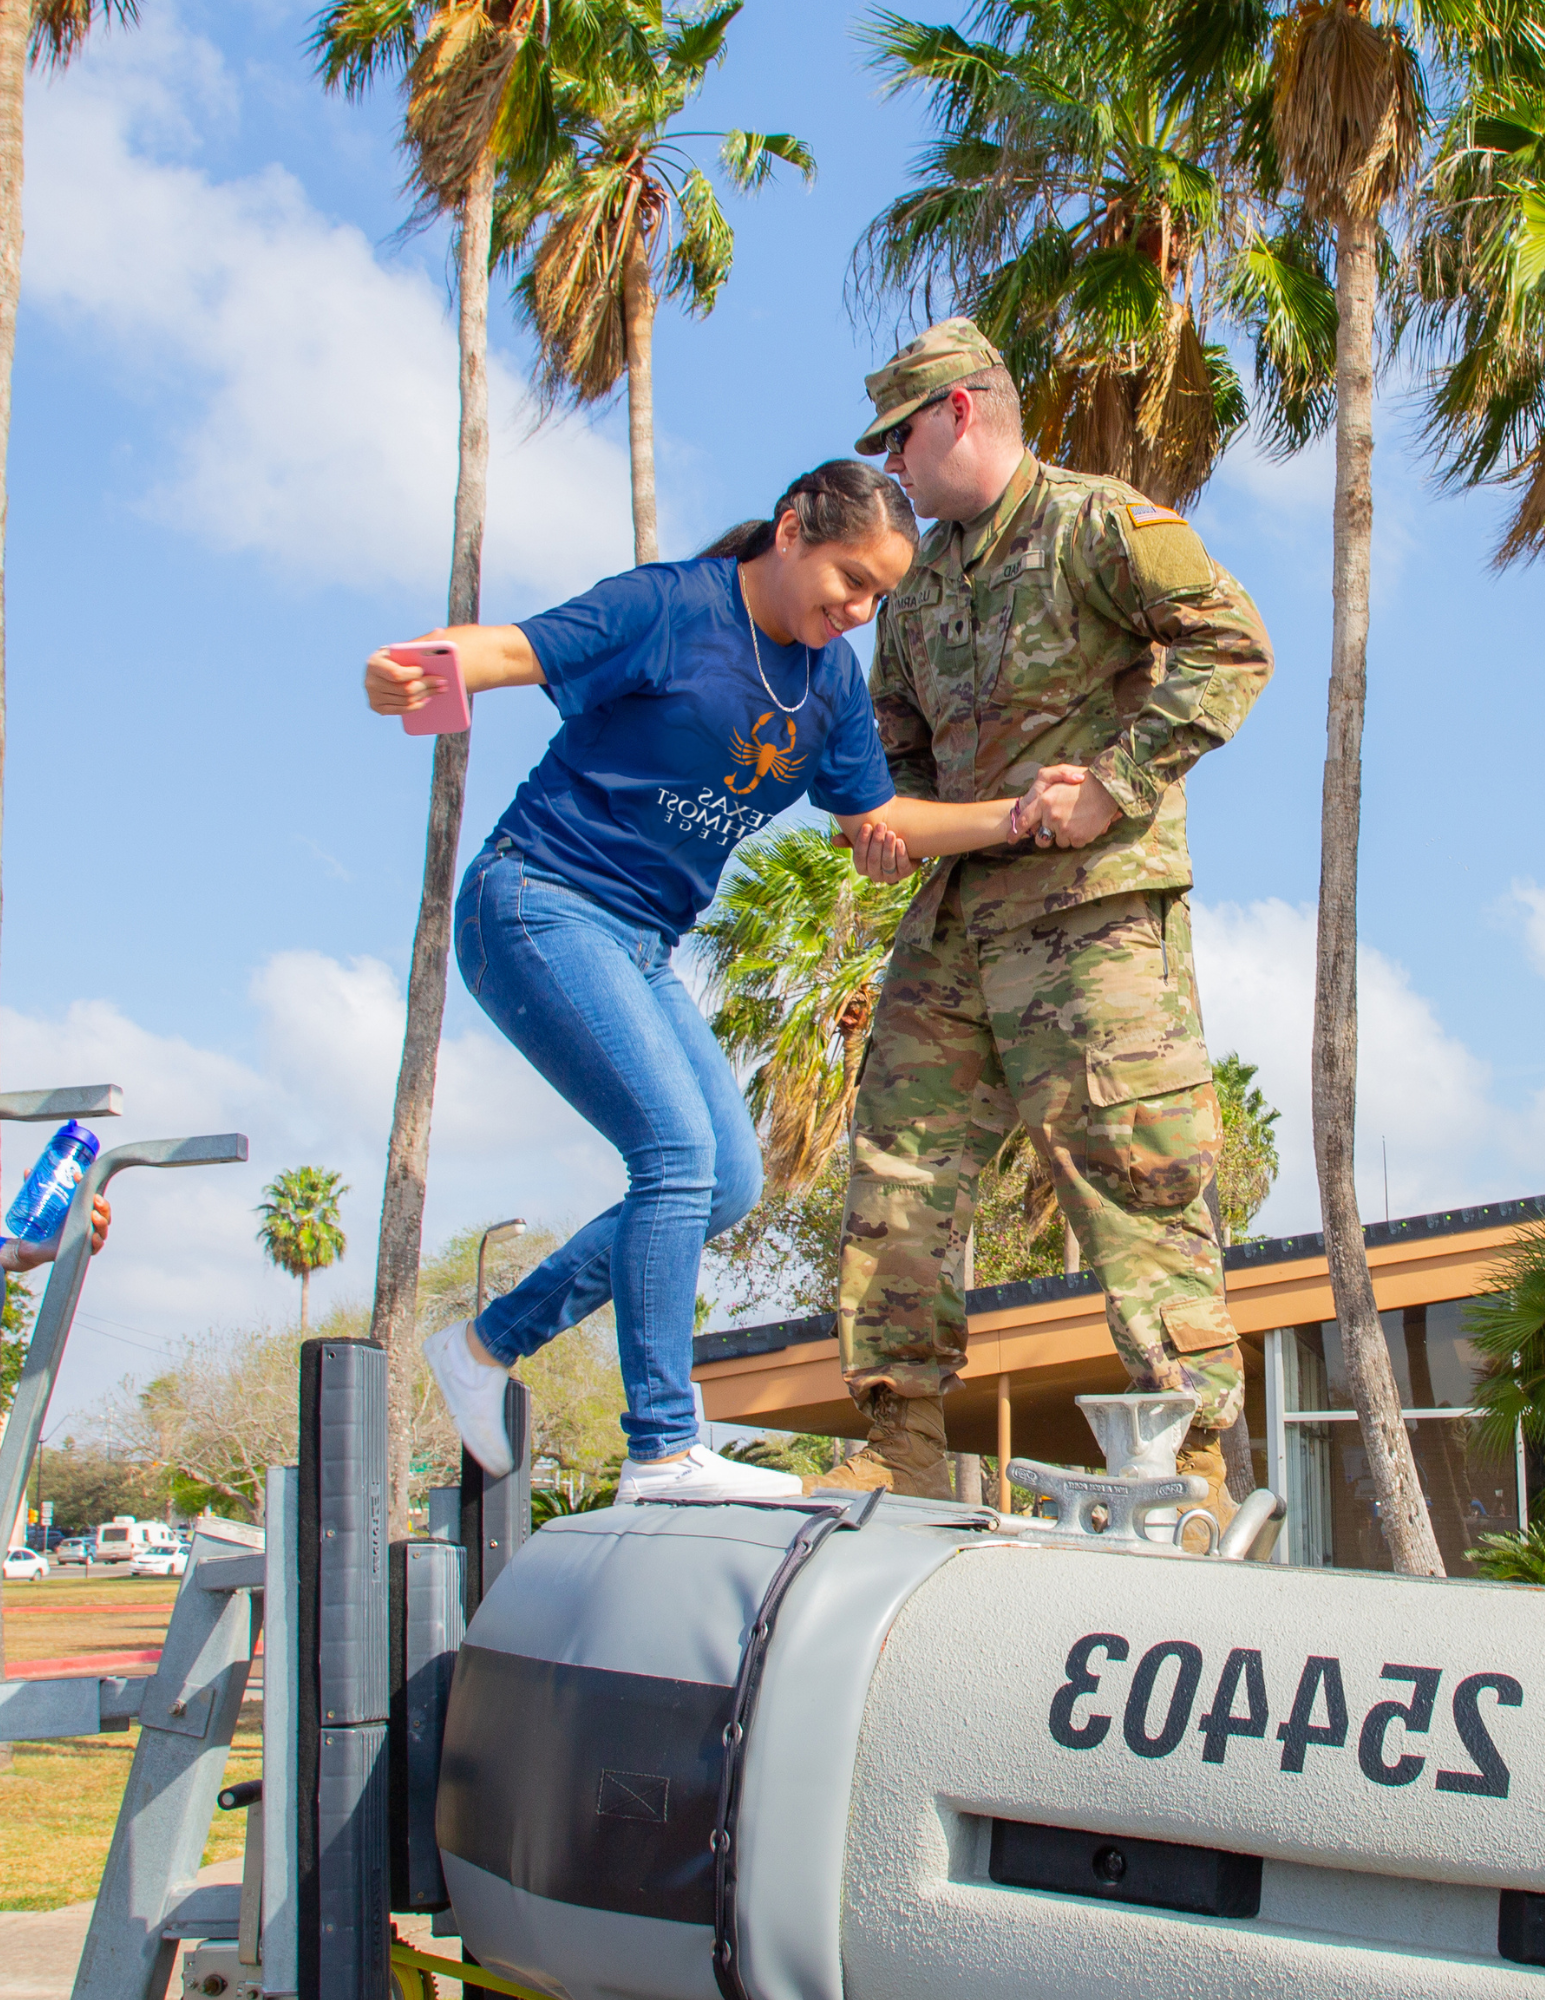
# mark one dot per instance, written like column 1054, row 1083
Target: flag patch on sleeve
column 1146, row 515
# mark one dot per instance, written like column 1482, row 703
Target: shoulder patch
column 1167, row 554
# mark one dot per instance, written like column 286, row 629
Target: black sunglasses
column 895, row 439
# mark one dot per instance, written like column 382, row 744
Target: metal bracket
column 72, row 1705
column 231, row 1573
column 1127, row 1504
column 82, row 1100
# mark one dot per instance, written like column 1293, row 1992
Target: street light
column 500, row 1230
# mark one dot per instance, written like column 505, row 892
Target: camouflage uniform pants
column 1084, row 1026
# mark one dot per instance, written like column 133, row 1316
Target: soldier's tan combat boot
column 904, row 1454
column 1202, row 1455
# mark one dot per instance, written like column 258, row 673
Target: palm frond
column 1349, row 108
column 1280, row 289
column 704, row 250
column 749, row 157
column 1206, row 42
column 1119, row 297
column 698, row 40
column 60, row 28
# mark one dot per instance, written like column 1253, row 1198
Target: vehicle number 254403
column 1318, row 1720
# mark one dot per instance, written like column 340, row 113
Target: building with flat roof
column 1035, row 1346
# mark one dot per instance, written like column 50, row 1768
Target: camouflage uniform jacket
column 1073, row 623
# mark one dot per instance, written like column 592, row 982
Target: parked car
column 159, row 1562
column 25, row 1566
column 76, row 1549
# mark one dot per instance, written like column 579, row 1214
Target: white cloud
column 1420, row 1090
column 320, row 1090
column 306, row 390
column 1528, row 899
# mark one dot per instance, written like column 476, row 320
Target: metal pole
column 515, row 1227
column 1521, row 1462
column 1005, row 1446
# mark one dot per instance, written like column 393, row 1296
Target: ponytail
column 845, row 500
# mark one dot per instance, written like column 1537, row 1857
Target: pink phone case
column 443, row 714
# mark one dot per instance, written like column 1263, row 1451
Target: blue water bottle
column 38, row 1212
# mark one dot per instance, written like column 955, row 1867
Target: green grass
column 58, row 1805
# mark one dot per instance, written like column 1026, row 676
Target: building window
column 1316, row 1449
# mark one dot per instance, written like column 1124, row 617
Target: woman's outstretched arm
column 1067, row 804
column 928, row 828
column 492, row 656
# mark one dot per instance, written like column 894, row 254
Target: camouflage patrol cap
column 924, row 368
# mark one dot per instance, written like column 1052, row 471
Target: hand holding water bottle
column 36, row 1217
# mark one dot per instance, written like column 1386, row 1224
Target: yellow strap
column 471, row 1975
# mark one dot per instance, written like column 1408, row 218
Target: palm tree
column 478, row 78
column 1476, row 296
column 1507, row 1326
column 31, row 31
column 794, row 947
column 1083, row 216
column 1342, row 126
column 1247, row 1160
column 623, row 214
column 301, row 1232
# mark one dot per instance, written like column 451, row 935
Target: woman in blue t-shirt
column 696, row 701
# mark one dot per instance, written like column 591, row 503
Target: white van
column 123, row 1538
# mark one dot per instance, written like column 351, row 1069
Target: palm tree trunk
column 15, row 20
column 305, row 1299
column 407, row 1160
column 1412, row 1545
column 638, row 304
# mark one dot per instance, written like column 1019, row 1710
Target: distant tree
column 1507, row 1326
column 622, row 213
column 301, row 1232
column 16, row 1318
column 1248, row 1164
column 87, row 1486
column 218, row 1418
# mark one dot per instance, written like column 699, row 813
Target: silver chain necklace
column 756, row 654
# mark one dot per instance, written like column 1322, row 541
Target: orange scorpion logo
column 765, row 756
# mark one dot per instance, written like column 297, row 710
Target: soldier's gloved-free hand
column 1069, row 803
column 878, row 853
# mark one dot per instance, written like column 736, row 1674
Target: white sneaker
column 474, row 1395
column 702, row 1475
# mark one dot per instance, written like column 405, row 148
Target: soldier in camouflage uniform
column 1062, row 637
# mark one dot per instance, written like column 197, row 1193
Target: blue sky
column 231, row 468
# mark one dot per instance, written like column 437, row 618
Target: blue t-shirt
column 670, row 751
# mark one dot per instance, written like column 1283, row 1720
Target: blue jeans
column 591, row 1002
